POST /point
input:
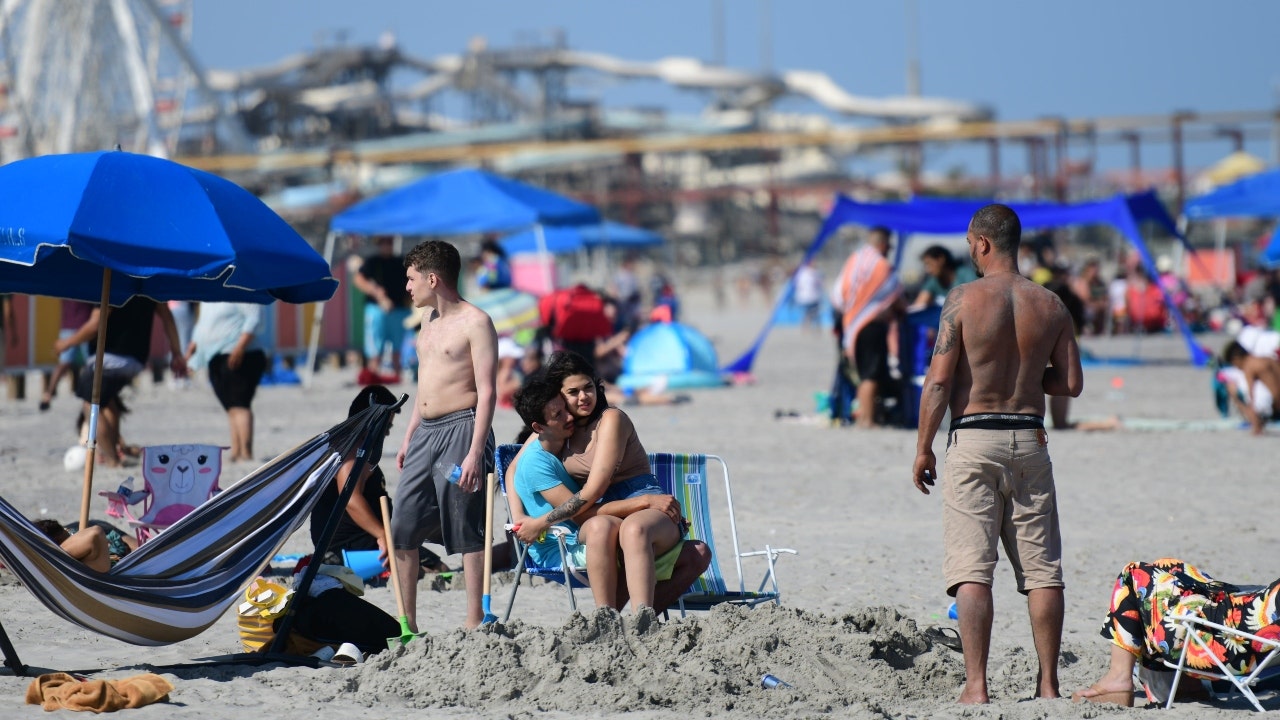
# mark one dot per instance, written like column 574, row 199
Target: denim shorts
column 639, row 485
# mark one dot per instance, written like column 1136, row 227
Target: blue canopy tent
column 928, row 215
column 455, row 202
column 461, row 201
column 567, row 239
column 1254, row 196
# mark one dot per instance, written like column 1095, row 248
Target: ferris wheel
column 84, row 75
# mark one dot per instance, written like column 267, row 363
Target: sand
column 857, row 600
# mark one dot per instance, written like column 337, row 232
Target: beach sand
column 857, row 599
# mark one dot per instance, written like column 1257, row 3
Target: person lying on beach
column 542, row 483
column 1144, row 593
column 1260, row 386
column 97, row 547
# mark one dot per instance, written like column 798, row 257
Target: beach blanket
column 867, row 286
column 60, row 691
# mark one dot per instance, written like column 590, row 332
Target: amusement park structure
column 319, row 129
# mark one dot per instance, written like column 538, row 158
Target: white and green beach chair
column 686, row 477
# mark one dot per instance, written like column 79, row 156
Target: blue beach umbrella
column 109, row 226
column 164, row 230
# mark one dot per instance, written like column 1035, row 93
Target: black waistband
column 998, row 421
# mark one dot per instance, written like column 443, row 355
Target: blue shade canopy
column 931, row 215
column 462, row 201
column 569, row 239
column 1254, row 196
column 166, row 231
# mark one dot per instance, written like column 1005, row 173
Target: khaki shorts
column 998, row 485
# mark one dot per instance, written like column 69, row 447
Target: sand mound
column 709, row 665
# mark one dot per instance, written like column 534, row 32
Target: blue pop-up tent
column 929, row 215
column 674, row 354
column 1254, row 196
column 567, row 239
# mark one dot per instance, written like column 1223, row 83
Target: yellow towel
column 60, row 691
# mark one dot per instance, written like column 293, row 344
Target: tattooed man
column 1004, row 342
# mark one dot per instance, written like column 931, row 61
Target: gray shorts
column 429, row 508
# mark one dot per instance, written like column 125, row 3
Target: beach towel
column 867, row 286
column 60, row 691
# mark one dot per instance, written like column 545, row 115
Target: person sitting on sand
column 605, row 457
column 361, row 525
column 1146, row 592
column 1259, row 386
column 97, row 546
column 600, row 531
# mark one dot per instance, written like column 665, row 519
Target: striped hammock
column 179, row 583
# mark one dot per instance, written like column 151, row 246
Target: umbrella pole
column 104, row 307
column 544, row 259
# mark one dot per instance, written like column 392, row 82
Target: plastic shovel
column 405, row 633
column 485, row 603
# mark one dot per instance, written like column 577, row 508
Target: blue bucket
column 364, row 563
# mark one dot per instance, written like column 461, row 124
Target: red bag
column 577, row 315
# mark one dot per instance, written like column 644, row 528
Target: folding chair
column 564, row 573
column 178, row 478
column 1194, row 629
column 686, row 478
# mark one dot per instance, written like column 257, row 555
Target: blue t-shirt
column 539, row 470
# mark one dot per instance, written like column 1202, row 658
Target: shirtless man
column 450, row 425
column 1262, row 382
column 1003, row 344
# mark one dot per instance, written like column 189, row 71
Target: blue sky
column 1081, row 58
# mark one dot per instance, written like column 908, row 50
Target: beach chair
column 686, row 477
column 565, row 573
column 1199, row 632
column 178, row 478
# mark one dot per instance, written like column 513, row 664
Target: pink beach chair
column 178, row 479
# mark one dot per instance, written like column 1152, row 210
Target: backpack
column 577, row 315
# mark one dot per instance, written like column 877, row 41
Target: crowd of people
column 870, row 304
column 583, row 470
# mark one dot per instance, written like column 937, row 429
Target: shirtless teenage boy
column 1003, row 344
column 450, row 425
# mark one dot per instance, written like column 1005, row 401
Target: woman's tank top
column 580, row 452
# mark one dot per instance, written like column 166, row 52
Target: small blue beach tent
column 682, row 356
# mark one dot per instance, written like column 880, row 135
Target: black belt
column 998, row 421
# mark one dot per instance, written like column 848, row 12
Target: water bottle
column 127, row 492
column 770, row 682
column 452, row 473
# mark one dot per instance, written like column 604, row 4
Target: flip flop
column 947, row 637
column 1116, row 697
